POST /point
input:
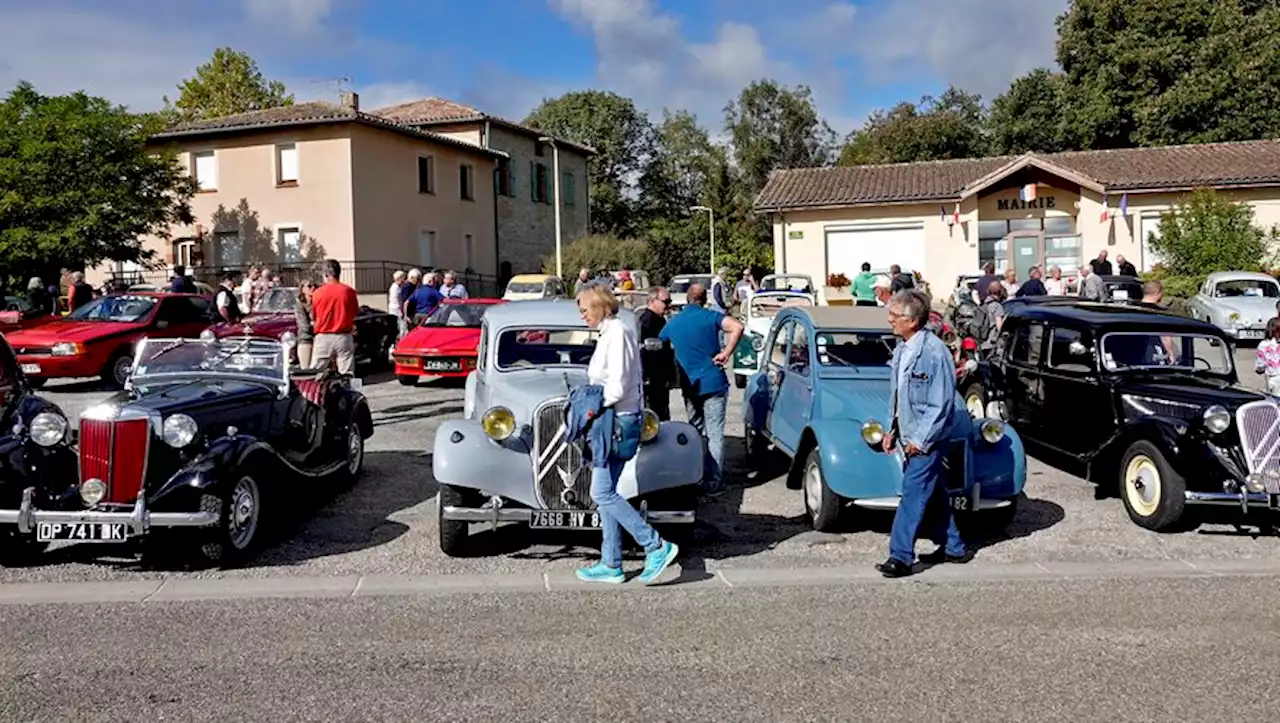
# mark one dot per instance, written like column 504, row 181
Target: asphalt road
column 1079, row 650
column 386, row 525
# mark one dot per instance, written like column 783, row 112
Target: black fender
column 23, row 463
column 214, row 468
column 1181, row 442
column 362, row 415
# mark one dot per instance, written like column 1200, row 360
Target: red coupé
column 98, row 338
column 444, row 345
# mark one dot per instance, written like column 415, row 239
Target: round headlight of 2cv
column 48, row 429
column 992, row 430
column 872, row 432
column 649, row 428
column 1217, row 419
column 179, row 430
column 499, row 423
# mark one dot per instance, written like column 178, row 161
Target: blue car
column 821, row 397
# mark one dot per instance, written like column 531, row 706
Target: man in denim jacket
column 921, row 407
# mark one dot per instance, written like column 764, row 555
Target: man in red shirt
column 334, row 306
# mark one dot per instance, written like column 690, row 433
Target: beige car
column 526, row 287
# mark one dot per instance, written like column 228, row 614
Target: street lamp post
column 555, row 170
column 711, row 225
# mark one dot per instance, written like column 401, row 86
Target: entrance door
column 1025, row 250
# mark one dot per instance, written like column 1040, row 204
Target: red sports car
column 97, row 340
column 445, row 344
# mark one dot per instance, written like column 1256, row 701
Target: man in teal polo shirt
column 694, row 334
column 864, row 285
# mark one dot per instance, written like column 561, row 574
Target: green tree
column 772, row 127
column 1032, row 115
column 623, row 139
column 1149, row 72
column 599, row 251
column 1205, row 232
column 682, row 161
column 949, row 126
column 79, row 185
column 229, row 83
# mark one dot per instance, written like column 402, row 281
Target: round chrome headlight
column 92, row 491
column 872, row 432
column 208, row 337
column 992, row 430
column 499, row 423
column 48, row 428
column 178, row 430
column 1217, row 419
column 289, row 338
column 649, row 428
column 757, row 342
column 996, row 410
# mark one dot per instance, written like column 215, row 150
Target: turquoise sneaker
column 601, row 572
column 656, row 562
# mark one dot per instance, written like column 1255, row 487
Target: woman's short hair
column 598, row 295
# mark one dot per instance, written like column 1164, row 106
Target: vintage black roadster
column 1140, row 398
column 204, row 449
column 36, row 442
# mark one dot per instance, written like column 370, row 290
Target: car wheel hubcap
column 355, row 450
column 813, row 488
column 123, row 365
column 244, row 512
column 1142, row 485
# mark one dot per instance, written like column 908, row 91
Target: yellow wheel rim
column 1142, row 485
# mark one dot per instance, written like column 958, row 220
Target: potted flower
column 837, row 291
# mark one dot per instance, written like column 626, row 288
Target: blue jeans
column 617, row 513
column 921, row 486
column 706, row 414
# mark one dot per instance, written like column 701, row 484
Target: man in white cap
column 883, row 289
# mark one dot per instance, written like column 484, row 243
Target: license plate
column 564, row 520
column 82, row 531
column 1250, row 334
column 442, row 365
column 960, row 504
column 30, row 368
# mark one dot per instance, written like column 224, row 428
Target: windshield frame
column 512, row 287
column 281, row 383
column 102, row 300
column 1225, row 345
column 291, row 293
column 803, row 301
column 451, row 309
column 1272, row 283
column 497, row 343
column 842, row 367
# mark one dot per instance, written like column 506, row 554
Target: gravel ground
column 386, row 524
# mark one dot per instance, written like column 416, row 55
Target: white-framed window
column 466, row 182
column 427, row 248
column 286, row 164
column 289, row 243
column 468, row 251
column 204, row 166
column 426, row 174
column 184, row 253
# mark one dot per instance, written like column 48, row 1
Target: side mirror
column 1077, row 349
column 652, row 344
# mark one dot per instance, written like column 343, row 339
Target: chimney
column 351, row 99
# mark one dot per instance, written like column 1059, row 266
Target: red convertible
column 97, row 340
column 444, row 345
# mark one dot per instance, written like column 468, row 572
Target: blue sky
column 506, row 55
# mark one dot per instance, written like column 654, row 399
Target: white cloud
column 305, row 17
column 380, row 95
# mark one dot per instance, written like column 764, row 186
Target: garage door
column 880, row 246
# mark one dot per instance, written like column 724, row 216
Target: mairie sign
column 1017, row 204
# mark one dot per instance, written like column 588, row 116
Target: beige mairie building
column 525, row 179
column 947, row 218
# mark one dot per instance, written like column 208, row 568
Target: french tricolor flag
column 1027, row 193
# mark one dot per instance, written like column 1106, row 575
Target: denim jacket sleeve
column 930, row 389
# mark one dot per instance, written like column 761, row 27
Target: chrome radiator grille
column 1259, row 424
column 561, row 480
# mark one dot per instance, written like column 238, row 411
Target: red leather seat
column 313, row 389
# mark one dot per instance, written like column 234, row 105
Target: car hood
column 1253, row 309
column 445, row 339
column 1203, row 392
column 192, row 396
column 65, row 330
column 759, row 325
column 863, row 399
column 272, row 325
column 523, row 390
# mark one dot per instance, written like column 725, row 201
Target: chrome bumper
column 891, row 503
column 139, row 520
column 495, row 515
column 1241, row 499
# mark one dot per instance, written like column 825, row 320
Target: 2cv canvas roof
column 543, row 314
column 860, row 318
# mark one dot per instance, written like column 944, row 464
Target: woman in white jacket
column 1267, row 359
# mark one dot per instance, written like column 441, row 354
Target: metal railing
column 366, row 277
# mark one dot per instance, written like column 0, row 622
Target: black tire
column 353, row 454
column 740, row 381
column 821, row 505
column 1154, row 494
column 116, row 371
column 408, row 380
column 975, row 394
column 453, row 534
column 240, row 532
column 17, row 550
column 37, row 382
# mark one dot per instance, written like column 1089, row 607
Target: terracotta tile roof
column 303, row 114
column 440, row 111
column 1217, row 165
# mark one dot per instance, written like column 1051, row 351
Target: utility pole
column 711, row 224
